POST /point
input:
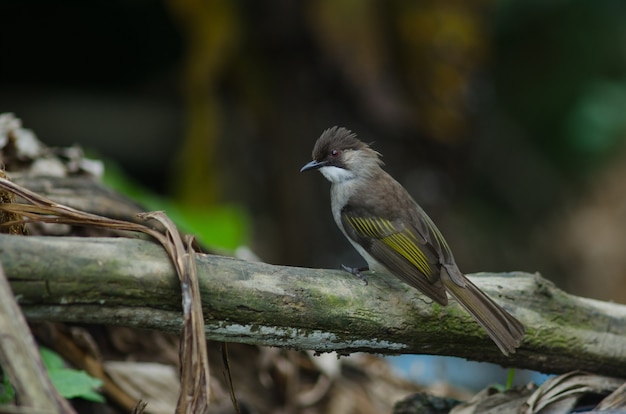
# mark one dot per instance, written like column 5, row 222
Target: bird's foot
column 356, row 271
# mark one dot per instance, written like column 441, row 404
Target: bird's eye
column 334, row 153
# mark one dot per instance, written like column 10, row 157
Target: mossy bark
column 131, row 282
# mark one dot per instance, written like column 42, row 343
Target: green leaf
column 50, row 359
column 510, row 378
column 70, row 383
column 76, row 384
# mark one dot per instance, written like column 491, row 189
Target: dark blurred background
column 506, row 120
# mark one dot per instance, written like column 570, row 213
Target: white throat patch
column 337, row 175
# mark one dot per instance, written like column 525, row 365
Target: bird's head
column 341, row 156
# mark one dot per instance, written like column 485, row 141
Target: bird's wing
column 400, row 248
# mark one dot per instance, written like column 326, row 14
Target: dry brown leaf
column 614, row 401
column 7, row 197
column 560, row 394
column 492, row 401
column 194, row 363
column 156, row 384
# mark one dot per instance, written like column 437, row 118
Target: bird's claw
column 356, row 271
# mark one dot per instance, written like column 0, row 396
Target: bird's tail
column 504, row 329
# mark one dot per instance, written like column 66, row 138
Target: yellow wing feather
column 401, row 241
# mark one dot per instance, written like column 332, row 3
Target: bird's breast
column 340, row 195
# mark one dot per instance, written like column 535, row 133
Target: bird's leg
column 356, row 271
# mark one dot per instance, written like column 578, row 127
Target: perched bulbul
column 394, row 235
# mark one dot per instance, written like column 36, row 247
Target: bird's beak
column 313, row 165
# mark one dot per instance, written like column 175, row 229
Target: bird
column 395, row 236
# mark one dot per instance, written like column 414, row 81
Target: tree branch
column 132, row 283
column 21, row 361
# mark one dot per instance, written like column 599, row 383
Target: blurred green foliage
column 596, row 125
column 560, row 71
column 219, row 226
column 7, row 393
